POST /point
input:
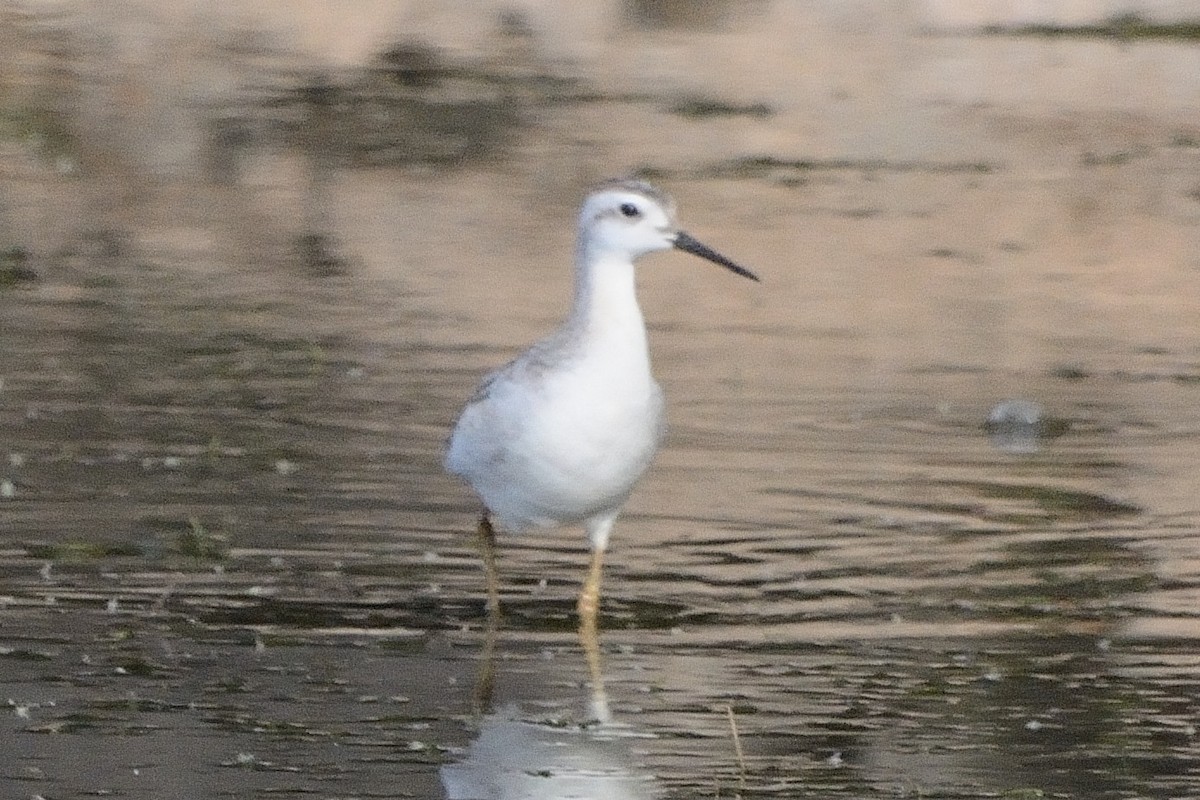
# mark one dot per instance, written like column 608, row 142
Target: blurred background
column 926, row 521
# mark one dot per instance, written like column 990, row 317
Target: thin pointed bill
column 687, row 244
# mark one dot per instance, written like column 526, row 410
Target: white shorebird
column 561, row 434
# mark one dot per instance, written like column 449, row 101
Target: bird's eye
column 630, row 210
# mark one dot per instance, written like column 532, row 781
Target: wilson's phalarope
column 561, row 434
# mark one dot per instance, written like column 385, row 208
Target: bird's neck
column 606, row 305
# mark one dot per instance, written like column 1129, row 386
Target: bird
column 561, row 434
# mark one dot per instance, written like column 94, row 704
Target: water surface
column 231, row 565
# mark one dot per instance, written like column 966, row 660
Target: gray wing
column 479, row 435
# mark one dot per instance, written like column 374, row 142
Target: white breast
column 560, row 449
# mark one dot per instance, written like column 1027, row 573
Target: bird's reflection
column 516, row 754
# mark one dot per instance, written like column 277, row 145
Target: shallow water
column 231, row 565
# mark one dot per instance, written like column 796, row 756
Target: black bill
column 687, row 244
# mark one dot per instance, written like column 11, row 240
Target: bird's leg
column 487, row 550
column 589, row 596
column 589, row 638
column 485, row 680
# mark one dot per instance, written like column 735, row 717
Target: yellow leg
column 485, row 680
column 589, row 596
column 487, row 550
column 589, row 637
